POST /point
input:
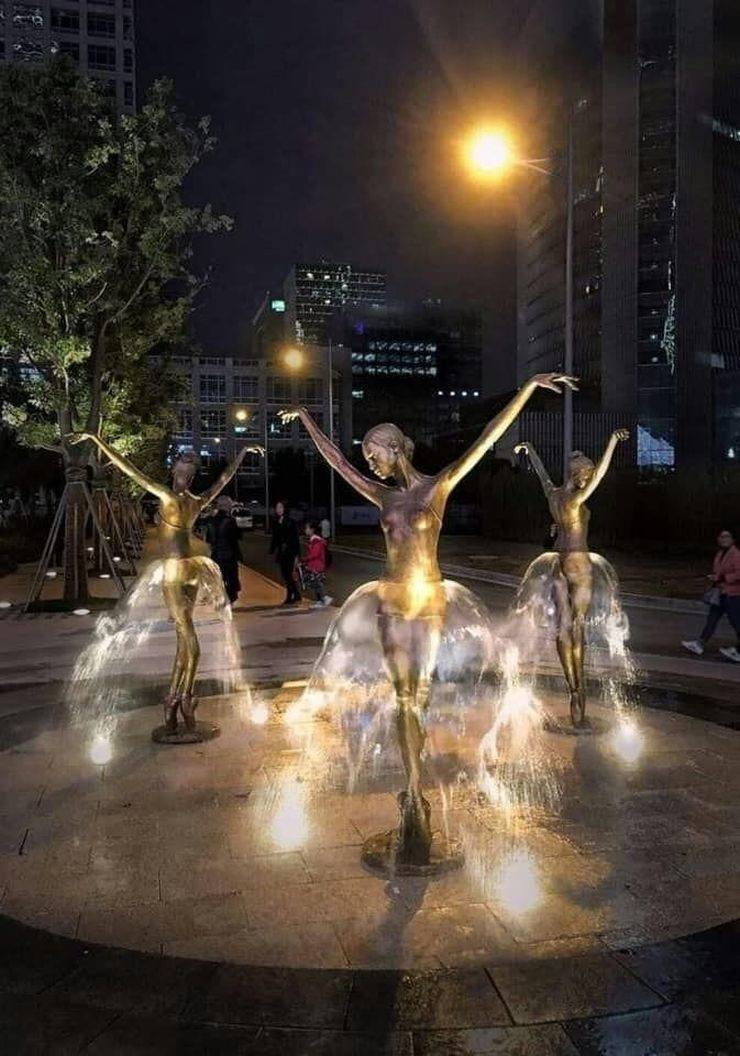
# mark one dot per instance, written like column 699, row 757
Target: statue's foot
column 171, row 705
column 578, row 708
column 415, row 830
column 188, row 705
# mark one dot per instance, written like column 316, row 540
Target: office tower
column 313, row 292
column 650, row 89
column 98, row 35
column 416, row 365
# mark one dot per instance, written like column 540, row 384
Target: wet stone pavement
column 208, row 899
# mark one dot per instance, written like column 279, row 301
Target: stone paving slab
column 111, row 1001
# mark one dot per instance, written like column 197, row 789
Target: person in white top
column 325, row 528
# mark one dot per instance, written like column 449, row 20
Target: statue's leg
column 580, row 586
column 192, row 656
column 175, row 602
column 565, row 648
column 409, row 648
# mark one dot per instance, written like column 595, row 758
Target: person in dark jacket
column 286, row 547
column 223, row 536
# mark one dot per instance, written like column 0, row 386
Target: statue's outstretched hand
column 621, row 434
column 254, row 449
column 555, row 381
column 289, row 414
column 77, row 438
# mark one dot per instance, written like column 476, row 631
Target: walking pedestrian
column 325, row 528
column 723, row 597
column 286, row 547
column 314, row 566
column 223, row 536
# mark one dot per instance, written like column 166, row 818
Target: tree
column 94, row 264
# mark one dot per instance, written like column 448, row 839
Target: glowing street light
column 241, row 415
column 294, row 359
column 489, row 153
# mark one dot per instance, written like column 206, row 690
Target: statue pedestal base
column 204, row 731
column 563, row 726
column 380, row 853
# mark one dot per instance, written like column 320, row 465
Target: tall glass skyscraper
column 651, row 87
column 313, row 292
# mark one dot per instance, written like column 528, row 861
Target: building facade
column 314, row 292
column 415, row 365
column 227, row 402
column 653, row 101
column 98, row 35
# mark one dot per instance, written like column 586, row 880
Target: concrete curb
column 502, row 579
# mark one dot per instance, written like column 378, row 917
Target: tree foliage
column 94, row 251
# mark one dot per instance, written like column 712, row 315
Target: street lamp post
column 568, row 364
column 267, row 467
column 489, row 153
column 330, row 382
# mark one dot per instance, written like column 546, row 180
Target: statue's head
column 184, row 469
column 383, row 447
column 580, row 469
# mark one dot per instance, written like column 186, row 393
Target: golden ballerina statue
column 407, row 608
column 570, row 570
column 185, row 570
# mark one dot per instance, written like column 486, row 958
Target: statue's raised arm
column 223, row 479
column 544, row 477
column 454, row 473
column 370, row 489
column 602, row 466
column 121, row 462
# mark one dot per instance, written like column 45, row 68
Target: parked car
column 243, row 517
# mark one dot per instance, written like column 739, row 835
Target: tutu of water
column 138, row 640
column 350, row 691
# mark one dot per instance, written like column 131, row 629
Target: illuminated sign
column 277, row 305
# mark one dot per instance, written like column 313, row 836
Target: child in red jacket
column 314, row 566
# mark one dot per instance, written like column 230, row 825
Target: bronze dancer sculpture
column 572, row 567
column 410, row 599
column 184, row 570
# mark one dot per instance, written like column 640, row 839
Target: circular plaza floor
column 218, row 852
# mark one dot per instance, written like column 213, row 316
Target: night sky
column 337, row 123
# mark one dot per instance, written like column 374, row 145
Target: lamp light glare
column 488, row 152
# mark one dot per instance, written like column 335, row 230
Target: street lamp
column 295, row 359
column 489, row 154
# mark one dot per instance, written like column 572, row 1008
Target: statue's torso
column 177, row 515
column 572, row 518
column 411, row 520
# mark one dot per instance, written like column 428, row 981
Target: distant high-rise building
column 98, row 35
column 652, row 88
column 314, row 292
column 415, row 365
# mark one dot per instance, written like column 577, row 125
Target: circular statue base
column 204, row 731
column 562, row 725
column 379, row 853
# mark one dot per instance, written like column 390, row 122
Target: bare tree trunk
column 76, row 514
